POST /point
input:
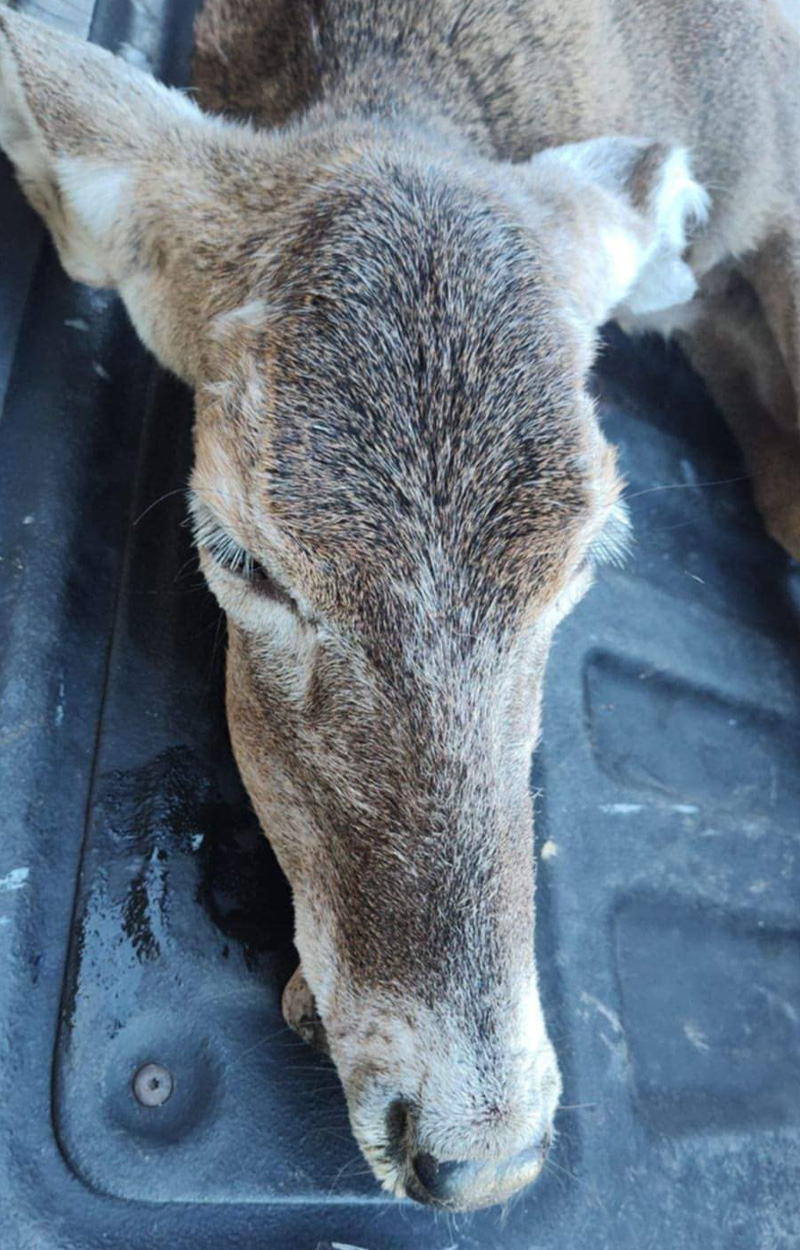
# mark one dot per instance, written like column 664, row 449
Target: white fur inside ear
column 633, row 205
column 93, row 192
column 18, row 133
column 676, row 204
column 92, row 202
column 79, row 199
column 679, row 202
column 624, row 253
column 664, row 282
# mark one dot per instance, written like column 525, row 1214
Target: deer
column 378, row 243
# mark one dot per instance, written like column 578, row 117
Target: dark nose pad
column 436, row 1179
column 452, row 1183
column 430, row 1179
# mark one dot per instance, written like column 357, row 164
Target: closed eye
column 233, row 558
column 613, row 543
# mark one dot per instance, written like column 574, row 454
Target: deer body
column 385, row 289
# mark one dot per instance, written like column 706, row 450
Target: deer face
column 399, row 490
column 395, row 503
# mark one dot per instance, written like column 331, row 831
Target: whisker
column 179, row 490
column 723, row 481
column 192, row 558
column 349, row 1164
column 551, row 1163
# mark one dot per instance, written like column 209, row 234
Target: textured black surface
column 143, row 919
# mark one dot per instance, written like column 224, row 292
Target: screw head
column 152, row 1085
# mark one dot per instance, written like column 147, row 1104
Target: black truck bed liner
column 143, row 918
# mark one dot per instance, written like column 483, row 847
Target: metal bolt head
column 152, row 1085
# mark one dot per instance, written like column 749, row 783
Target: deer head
column 400, row 488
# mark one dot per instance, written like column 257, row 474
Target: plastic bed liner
column 143, row 918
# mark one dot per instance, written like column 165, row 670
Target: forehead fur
column 414, row 388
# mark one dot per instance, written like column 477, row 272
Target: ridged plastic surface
column 143, row 918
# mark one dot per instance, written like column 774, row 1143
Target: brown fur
column 387, row 307
column 718, row 78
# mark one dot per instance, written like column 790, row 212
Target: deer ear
column 625, row 210
column 128, row 175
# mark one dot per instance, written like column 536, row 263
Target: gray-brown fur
column 387, row 307
column 515, row 77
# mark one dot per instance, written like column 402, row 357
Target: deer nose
column 451, row 1183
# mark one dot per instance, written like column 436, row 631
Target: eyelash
column 234, row 559
column 239, row 562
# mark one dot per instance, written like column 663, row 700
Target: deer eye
column 229, row 555
column 262, row 581
column 239, row 562
column 613, row 544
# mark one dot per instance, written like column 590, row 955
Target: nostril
column 434, row 1176
column 397, row 1124
column 426, row 1170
